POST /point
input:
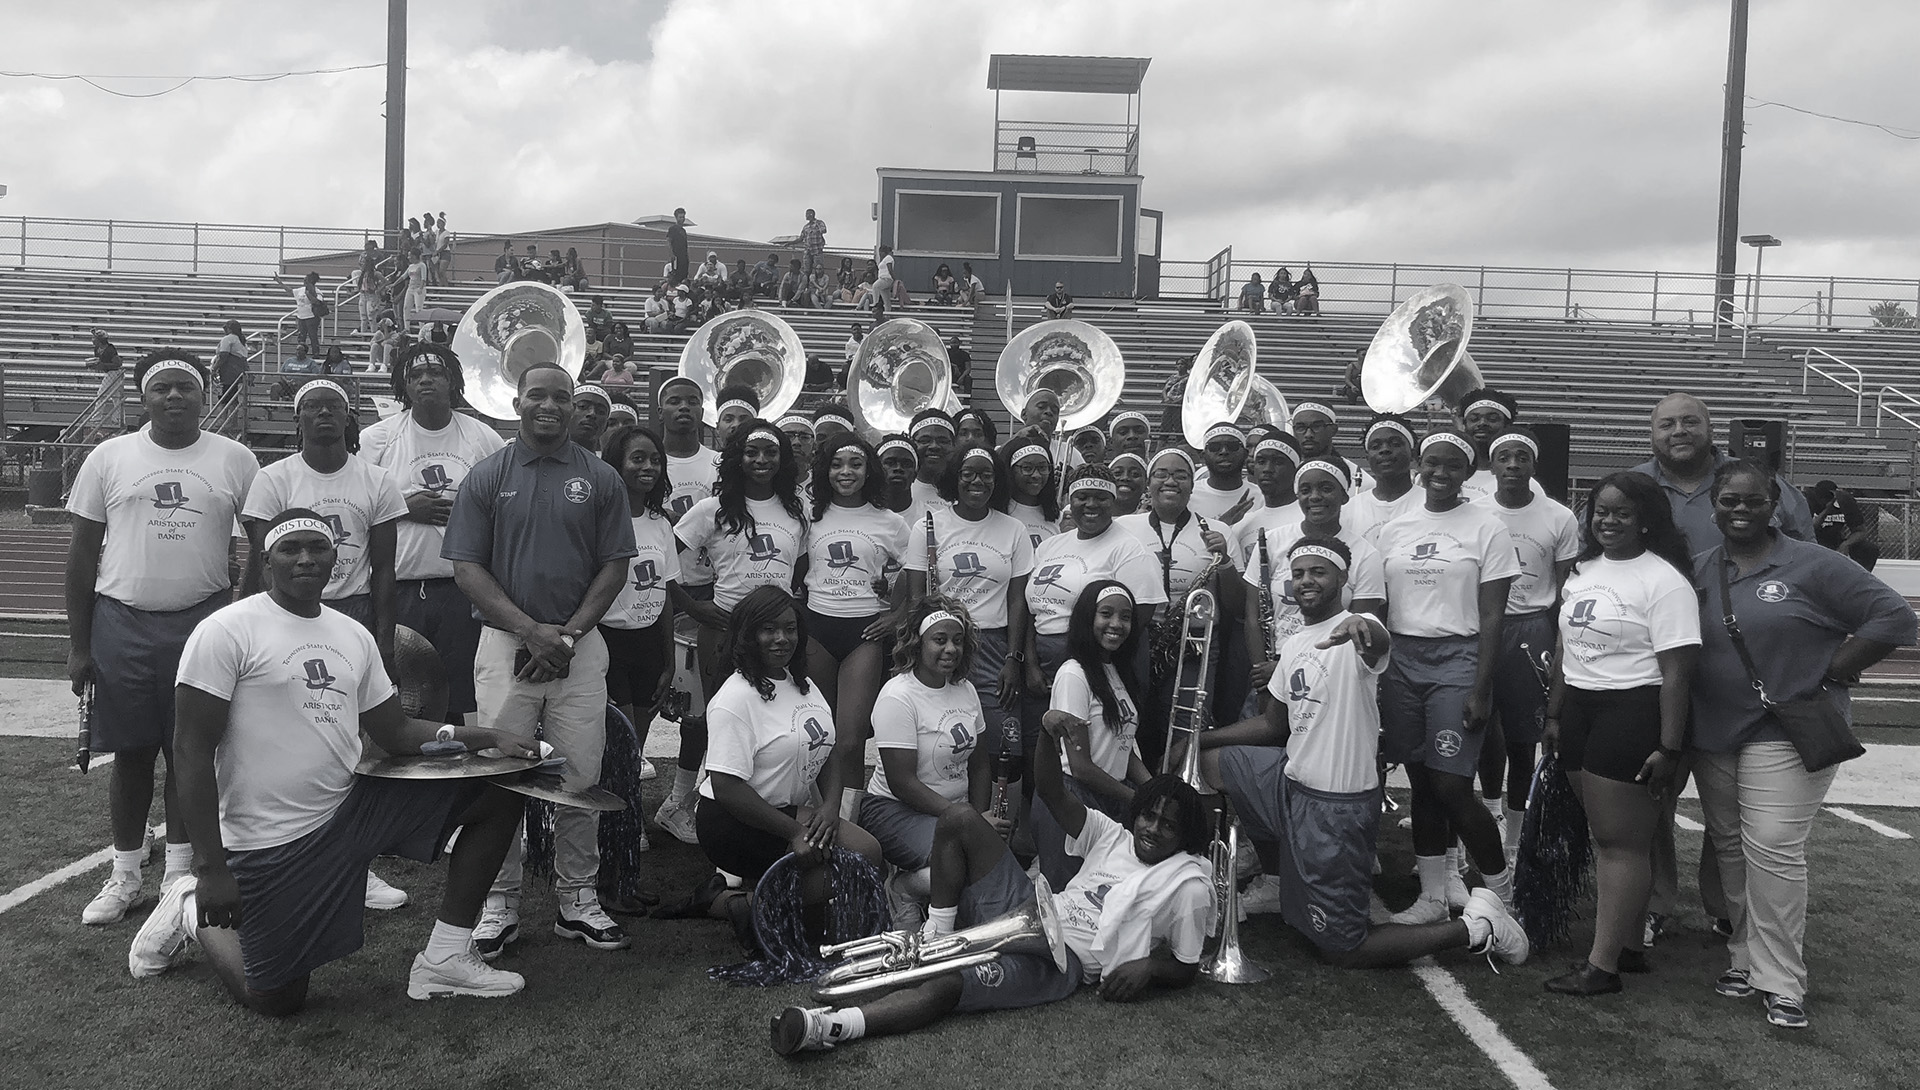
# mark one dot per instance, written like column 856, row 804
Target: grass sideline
column 649, row 1016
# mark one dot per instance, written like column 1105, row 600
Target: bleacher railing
column 1829, row 370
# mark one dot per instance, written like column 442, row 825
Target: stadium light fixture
column 1759, row 244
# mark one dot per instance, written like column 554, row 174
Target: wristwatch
column 1017, row 656
column 567, row 638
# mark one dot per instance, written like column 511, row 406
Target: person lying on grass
column 1133, row 919
column 273, row 693
column 1305, row 784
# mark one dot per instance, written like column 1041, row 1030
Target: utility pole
column 396, row 180
column 1733, row 135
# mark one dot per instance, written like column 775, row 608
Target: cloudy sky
column 1372, row 130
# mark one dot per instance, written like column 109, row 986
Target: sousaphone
column 1220, row 381
column 1265, row 405
column 510, row 329
column 899, row 369
column 1420, row 352
column 1074, row 359
column 746, row 348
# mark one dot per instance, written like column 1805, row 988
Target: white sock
column 1456, row 860
column 1501, row 884
column 940, row 921
column 1433, row 870
column 1516, row 821
column 683, row 784
column 129, row 862
column 848, row 1024
column 179, row 859
column 1493, row 805
column 447, row 940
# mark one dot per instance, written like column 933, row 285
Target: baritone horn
column 1221, row 379
column 899, row 369
column 1074, row 359
column 749, row 348
column 510, row 330
column 1420, row 352
column 894, row 959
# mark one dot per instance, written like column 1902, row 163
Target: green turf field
column 647, row 1016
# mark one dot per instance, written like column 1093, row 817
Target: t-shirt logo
column 840, row 556
column 962, row 739
column 1773, row 590
column 1048, row 575
column 1286, row 591
column 1584, row 614
column 646, row 576
column 968, row 566
column 167, row 496
column 1298, row 689
column 435, row 477
column 577, row 490
column 319, row 678
column 1037, row 539
column 817, row 735
column 1427, row 550
column 340, row 534
column 679, row 505
column 760, row 547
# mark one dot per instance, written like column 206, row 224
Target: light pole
column 1759, row 244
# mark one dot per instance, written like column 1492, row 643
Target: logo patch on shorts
column 1773, row 590
column 1317, row 916
column 989, row 974
column 1447, row 743
column 577, row 490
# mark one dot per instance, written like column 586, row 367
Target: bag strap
column 1733, row 630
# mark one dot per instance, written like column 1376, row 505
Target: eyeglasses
column 1729, row 501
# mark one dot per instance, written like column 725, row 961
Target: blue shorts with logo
column 1325, row 841
column 1010, row 981
column 1423, row 703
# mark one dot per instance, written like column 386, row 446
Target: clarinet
column 1266, row 594
column 933, row 559
column 1004, row 765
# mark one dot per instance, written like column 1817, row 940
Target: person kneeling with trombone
column 1304, row 782
column 1134, row 918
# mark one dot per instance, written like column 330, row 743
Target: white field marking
column 1687, row 823
column 35, row 635
column 1483, row 1031
column 1887, row 831
column 22, row 894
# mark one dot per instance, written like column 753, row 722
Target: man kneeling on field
column 1305, row 784
column 1135, row 917
column 273, row 693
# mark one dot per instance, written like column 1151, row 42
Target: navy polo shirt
column 1694, row 511
column 543, row 525
column 1794, row 609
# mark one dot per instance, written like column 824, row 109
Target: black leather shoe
column 1634, row 961
column 1585, row 979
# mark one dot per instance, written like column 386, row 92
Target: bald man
column 1683, row 462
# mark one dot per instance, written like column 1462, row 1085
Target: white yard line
column 1687, row 823
column 1480, row 1029
column 1887, row 831
column 22, row 894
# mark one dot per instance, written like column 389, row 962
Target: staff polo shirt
column 1694, row 511
column 543, row 525
column 1794, row 610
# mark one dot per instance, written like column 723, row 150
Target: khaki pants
column 572, row 712
column 1760, row 804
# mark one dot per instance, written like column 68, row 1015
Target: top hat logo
column 1426, row 550
column 577, row 490
column 962, row 739
column 1583, row 613
column 760, row 547
column 840, row 556
column 1048, row 575
column 679, row 505
column 646, row 576
column 1297, row 687
column 817, row 735
column 968, row 566
column 1773, row 590
column 319, row 677
column 435, row 477
column 167, row 496
column 340, row 532
column 1286, row 591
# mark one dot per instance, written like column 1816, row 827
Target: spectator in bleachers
column 677, row 243
column 1171, row 394
column 682, row 310
column 429, row 247
column 740, row 282
column 381, row 348
column 1059, row 304
column 858, row 334
column 711, row 276
column 1281, row 290
column 308, row 307
column 229, row 361
column 367, row 280
column 599, row 319
column 301, row 362
column 863, row 292
column 412, row 233
column 820, row 288
column 819, row 375
column 813, row 242
column 972, row 291
column 766, row 277
column 106, row 360
column 1349, row 388
column 1307, row 297
column 620, row 372
column 847, row 282
column 574, row 276
column 445, row 254
column 1252, row 296
column 1841, row 525
column 884, row 282
column 659, row 311
column 960, row 368
column 793, row 291
column 946, row 288
column 503, row 266
column 414, row 308
column 619, row 342
column 531, row 267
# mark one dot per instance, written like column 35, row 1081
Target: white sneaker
column 677, row 820
column 382, row 895
column 1456, row 891
column 110, row 905
column 802, row 1029
column 1506, row 939
column 165, row 932
column 1262, row 895
column 462, row 974
column 1424, row 910
column 647, row 771
column 499, row 927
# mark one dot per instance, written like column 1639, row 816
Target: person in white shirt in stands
column 973, row 292
column 1028, row 492
column 1390, row 443
column 1484, row 413
column 1547, row 536
column 1224, row 495
column 933, row 436
column 1304, row 780
column 1133, row 920
column 230, row 365
column 274, row 692
column 638, row 626
column 851, row 541
column 1617, row 712
column 754, row 531
column 414, row 307
column 429, row 449
column 153, row 515
column 1449, row 566
column 929, row 733
column 308, row 308
column 886, row 288
column 1065, row 564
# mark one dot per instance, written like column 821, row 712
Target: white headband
column 1319, row 551
column 1129, row 415
column 1116, row 592
column 1313, row 407
column 936, row 617
column 588, row 389
column 931, row 422
column 1028, row 450
column 897, row 444
column 1521, row 438
column 294, row 526
column 839, row 418
column 1127, row 456
column 774, row 434
column 1488, row 403
column 621, row 408
column 174, row 365
column 1265, row 445
column 978, row 454
column 1466, row 448
column 1174, row 452
column 1388, row 425
column 1222, row 430
column 795, row 418
column 735, row 403
column 319, row 384
column 1324, row 466
column 1094, row 484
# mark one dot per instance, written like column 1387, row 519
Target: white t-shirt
column 1366, row 577
column 1106, row 849
column 302, row 303
column 777, row 746
column 940, row 725
column 1481, row 483
column 1544, row 533
column 1108, row 744
column 1064, row 564
column 1039, row 526
column 643, row 597
column 1215, row 503
column 1333, row 710
column 169, row 516
column 760, row 554
column 692, row 479
column 1189, row 549
column 426, row 461
column 354, row 498
column 977, row 560
column 848, row 549
column 1245, row 534
column 1368, row 513
column 296, row 687
column 1435, row 564
column 1616, row 615
column 926, row 495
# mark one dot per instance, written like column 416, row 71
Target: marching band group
column 1007, row 622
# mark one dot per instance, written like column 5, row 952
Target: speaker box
column 1762, row 441
column 1552, row 471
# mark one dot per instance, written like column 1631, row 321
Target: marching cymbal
column 456, row 766
column 537, row 786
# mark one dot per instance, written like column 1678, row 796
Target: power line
column 1897, row 133
column 90, row 79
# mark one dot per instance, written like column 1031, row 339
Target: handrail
column 1880, row 406
column 1744, row 321
column 1807, row 367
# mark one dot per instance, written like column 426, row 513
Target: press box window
column 946, row 224
column 1074, row 228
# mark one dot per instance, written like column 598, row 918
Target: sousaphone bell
column 1265, row 405
column 509, row 330
column 899, row 369
column 1220, row 381
column 746, row 348
column 1420, row 352
column 1074, row 359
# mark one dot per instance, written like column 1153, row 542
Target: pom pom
column 1554, row 867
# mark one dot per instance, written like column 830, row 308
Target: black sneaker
column 1734, row 984
column 585, row 920
column 1786, row 1012
column 499, row 925
column 1723, row 927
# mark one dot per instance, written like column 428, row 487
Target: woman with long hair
column 1449, row 566
column 638, row 626
column 1030, row 491
column 774, row 762
column 1617, row 709
column 1100, row 716
column 1065, row 564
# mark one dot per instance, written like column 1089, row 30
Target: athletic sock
column 940, row 921
column 179, row 860
column 129, row 862
column 1501, row 884
column 682, row 784
column 1493, row 804
column 1433, row 876
column 1456, row 860
column 848, row 1024
column 447, row 940
column 1516, row 822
